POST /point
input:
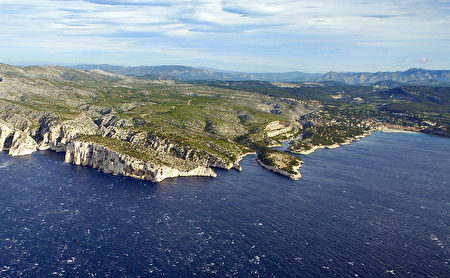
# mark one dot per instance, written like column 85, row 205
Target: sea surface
column 379, row 207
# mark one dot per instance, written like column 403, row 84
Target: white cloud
column 257, row 29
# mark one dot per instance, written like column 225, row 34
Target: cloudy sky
column 239, row 35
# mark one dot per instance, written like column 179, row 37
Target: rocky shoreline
column 51, row 135
column 333, row 146
column 356, row 138
column 108, row 161
column 392, row 130
column 295, row 176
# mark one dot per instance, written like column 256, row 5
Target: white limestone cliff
column 109, row 161
column 62, row 137
column 168, row 147
column 22, row 144
column 295, row 176
column 16, row 142
column 56, row 136
column 5, row 132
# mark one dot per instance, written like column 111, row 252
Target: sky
column 235, row 35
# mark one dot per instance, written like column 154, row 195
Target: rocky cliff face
column 55, row 136
column 22, row 144
column 5, row 133
column 295, row 176
column 16, row 142
column 165, row 146
column 109, row 161
column 191, row 154
column 52, row 135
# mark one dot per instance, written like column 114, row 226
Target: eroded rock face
column 62, row 137
column 295, row 176
column 187, row 153
column 19, row 140
column 5, row 133
column 109, row 161
column 112, row 120
column 55, row 136
column 165, row 146
column 22, row 144
column 16, row 142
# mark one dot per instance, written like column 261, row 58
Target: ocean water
column 379, row 207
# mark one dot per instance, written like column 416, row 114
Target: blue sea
column 379, row 207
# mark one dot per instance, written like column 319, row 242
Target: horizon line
column 69, row 65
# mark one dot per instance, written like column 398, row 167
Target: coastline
column 356, row 138
column 63, row 140
column 296, row 168
column 237, row 164
column 395, row 130
column 333, row 146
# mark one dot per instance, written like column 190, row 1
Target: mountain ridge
column 413, row 76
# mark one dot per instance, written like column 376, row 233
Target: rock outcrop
column 295, row 176
column 191, row 154
column 55, row 136
column 19, row 140
column 276, row 128
column 109, row 161
column 16, row 142
column 5, row 133
column 22, row 144
column 166, row 146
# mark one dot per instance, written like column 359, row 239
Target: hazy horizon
column 71, row 65
column 254, row 36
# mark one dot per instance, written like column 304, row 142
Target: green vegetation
column 186, row 124
column 119, row 146
column 387, row 103
column 164, row 122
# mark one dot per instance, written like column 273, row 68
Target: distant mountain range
column 414, row 76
